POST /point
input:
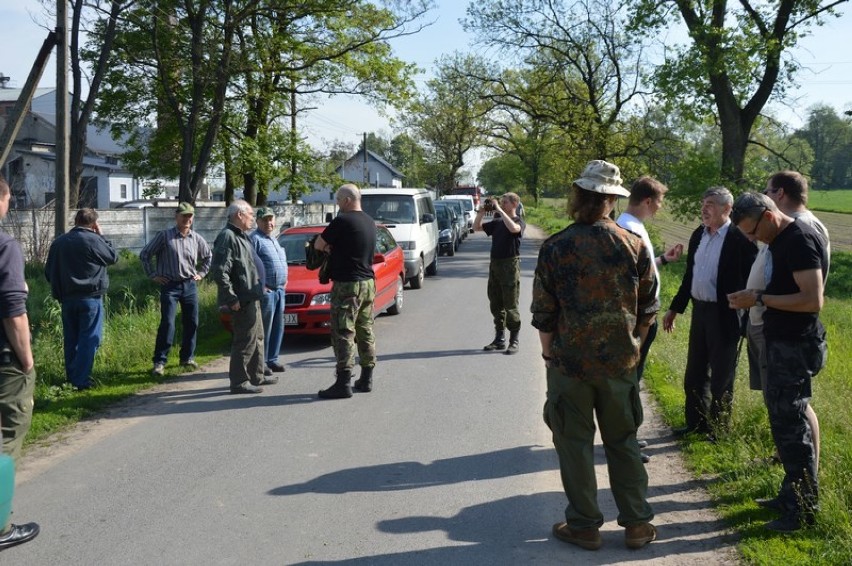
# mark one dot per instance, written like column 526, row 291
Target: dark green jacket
column 233, row 268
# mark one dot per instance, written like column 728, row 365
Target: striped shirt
column 274, row 259
column 179, row 257
column 706, row 269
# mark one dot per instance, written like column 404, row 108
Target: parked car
column 468, row 204
column 447, row 231
column 464, row 219
column 458, row 225
column 308, row 302
column 409, row 214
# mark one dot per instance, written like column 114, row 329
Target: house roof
column 379, row 159
column 12, row 94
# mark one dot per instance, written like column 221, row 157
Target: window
column 123, row 191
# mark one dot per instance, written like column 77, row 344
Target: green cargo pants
column 504, row 287
column 16, row 406
column 352, row 321
column 570, row 410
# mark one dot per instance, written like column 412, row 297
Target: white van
column 410, row 216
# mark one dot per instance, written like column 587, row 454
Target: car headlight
column 407, row 245
column 321, row 299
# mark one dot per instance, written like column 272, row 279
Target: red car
column 308, row 302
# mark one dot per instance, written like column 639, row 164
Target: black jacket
column 734, row 265
column 76, row 265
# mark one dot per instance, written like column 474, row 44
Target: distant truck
column 471, row 190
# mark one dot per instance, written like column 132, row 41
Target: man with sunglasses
column 795, row 345
column 718, row 263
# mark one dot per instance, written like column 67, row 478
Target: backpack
column 315, row 259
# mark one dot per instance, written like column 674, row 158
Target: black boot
column 513, row 342
column 364, row 384
column 499, row 342
column 340, row 389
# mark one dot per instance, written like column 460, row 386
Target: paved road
column 446, row 462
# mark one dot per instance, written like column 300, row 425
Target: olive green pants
column 352, row 322
column 504, row 287
column 570, row 410
column 16, row 409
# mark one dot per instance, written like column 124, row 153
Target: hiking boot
column 513, row 343
column 590, row 539
column 340, row 389
column 267, row 380
column 190, row 364
column 791, row 522
column 159, row 369
column 499, row 342
column 245, row 388
column 772, row 503
column 364, row 384
column 640, row 534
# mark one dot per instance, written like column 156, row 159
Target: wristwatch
column 758, row 299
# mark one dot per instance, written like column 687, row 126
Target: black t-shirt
column 504, row 244
column 352, row 236
column 797, row 248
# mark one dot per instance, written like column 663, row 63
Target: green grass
column 728, row 467
column 123, row 362
column 831, row 201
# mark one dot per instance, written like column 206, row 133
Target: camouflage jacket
column 593, row 284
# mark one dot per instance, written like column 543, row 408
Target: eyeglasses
column 756, row 224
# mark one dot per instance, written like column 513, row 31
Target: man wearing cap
column 795, row 346
column 76, row 270
column 591, row 321
column 182, row 258
column 718, row 263
column 504, row 272
column 274, row 260
column 17, row 368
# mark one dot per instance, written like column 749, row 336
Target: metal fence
column 132, row 228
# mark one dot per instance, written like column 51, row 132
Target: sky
column 826, row 76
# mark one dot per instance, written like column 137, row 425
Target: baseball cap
column 185, row 208
column 264, row 212
column 602, row 177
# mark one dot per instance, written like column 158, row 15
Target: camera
column 488, row 205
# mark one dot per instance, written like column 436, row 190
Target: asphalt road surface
column 447, row 461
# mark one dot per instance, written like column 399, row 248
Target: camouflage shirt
column 593, row 284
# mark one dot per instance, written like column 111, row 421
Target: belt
column 704, row 303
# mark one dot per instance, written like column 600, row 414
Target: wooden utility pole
column 62, row 151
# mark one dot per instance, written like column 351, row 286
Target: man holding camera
column 506, row 229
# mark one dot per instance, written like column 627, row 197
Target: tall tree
column 830, row 138
column 734, row 63
column 450, row 116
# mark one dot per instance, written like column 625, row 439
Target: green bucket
column 7, row 487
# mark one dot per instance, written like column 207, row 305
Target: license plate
column 291, row 319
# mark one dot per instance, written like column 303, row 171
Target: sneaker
column 159, row 369
column 267, row 372
column 190, row 364
column 266, row 381
column 590, row 539
column 276, row 367
column 772, row 503
column 640, row 534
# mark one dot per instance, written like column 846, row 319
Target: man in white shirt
column 646, row 198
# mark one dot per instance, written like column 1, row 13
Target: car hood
column 301, row 279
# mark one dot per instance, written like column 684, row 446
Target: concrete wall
column 132, row 228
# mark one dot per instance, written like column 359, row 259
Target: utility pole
column 62, row 153
column 366, row 171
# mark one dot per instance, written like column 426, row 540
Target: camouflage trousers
column 790, row 366
column 352, row 323
column 504, row 287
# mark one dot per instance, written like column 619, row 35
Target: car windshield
column 389, row 209
column 443, row 218
column 294, row 247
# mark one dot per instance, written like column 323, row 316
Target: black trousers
column 710, row 368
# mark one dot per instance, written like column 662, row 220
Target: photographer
column 506, row 229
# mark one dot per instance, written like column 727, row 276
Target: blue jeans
column 272, row 314
column 82, row 329
column 172, row 293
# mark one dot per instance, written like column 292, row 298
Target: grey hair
column 720, row 195
column 236, row 207
column 751, row 205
